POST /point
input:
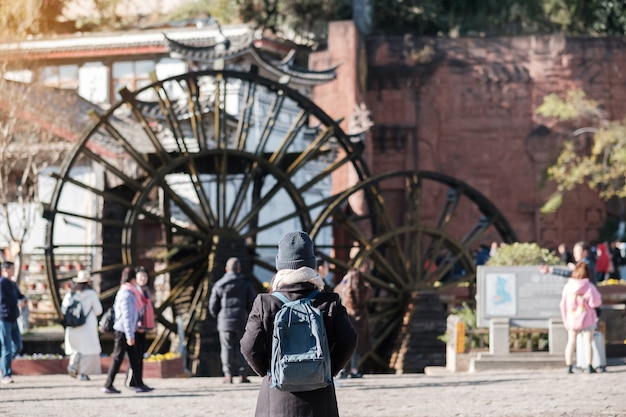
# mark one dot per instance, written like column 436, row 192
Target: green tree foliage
column 499, row 17
column 303, row 21
column 594, row 154
column 308, row 18
column 520, row 254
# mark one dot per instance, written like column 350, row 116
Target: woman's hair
column 581, row 270
column 141, row 269
column 356, row 291
column 128, row 274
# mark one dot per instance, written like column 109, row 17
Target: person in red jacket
column 603, row 262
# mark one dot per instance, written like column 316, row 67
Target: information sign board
column 521, row 293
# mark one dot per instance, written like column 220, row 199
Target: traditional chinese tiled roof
column 245, row 46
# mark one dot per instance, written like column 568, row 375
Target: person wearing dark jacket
column 230, row 302
column 9, row 312
column 296, row 278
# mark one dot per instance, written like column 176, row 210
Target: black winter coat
column 9, row 310
column 256, row 347
column 231, row 300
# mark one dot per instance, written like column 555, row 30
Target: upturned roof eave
column 278, row 69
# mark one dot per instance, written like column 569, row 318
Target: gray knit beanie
column 295, row 250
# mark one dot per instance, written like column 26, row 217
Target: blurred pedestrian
column 564, row 254
column 603, row 262
column 22, row 320
column 355, row 293
column 230, row 302
column 82, row 343
column 10, row 336
column 324, row 271
column 616, row 260
column 296, row 278
column 582, row 253
column 127, row 306
column 145, row 322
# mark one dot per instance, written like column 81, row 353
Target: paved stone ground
column 544, row 393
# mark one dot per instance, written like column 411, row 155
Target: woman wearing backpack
column 82, row 343
column 296, row 279
column 579, row 301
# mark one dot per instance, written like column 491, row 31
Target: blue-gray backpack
column 300, row 354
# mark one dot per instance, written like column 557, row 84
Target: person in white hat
column 82, row 343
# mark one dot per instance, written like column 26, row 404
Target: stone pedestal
column 499, row 336
column 557, row 336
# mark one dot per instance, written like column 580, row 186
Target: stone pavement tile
column 545, row 393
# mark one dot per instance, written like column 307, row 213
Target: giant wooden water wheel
column 190, row 170
column 425, row 225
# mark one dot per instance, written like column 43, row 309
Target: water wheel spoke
column 192, row 215
column 160, row 151
column 447, row 213
column 282, row 183
column 112, row 169
column 104, row 221
column 384, row 324
column 250, row 176
column 297, row 125
column 191, row 90
column 312, row 150
column 161, row 338
column 270, row 122
column 432, row 252
column 203, row 199
column 182, row 264
column 245, row 116
column 217, row 113
column 181, row 286
column 479, row 228
column 128, row 148
column 272, row 224
column 326, row 172
column 171, row 119
column 289, row 216
column 390, row 270
column 373, row 356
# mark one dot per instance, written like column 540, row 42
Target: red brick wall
column 466, row 108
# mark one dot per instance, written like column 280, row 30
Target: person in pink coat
column 579, row 301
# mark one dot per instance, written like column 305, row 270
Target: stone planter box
column 171, row 368
column 39, row 366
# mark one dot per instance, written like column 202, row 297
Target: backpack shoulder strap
column 281, row 297
column 285, row 300
column 313, row 294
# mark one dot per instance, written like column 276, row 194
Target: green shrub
column 520, row 254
